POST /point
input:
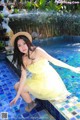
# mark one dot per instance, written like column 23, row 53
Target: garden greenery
column 46, row 18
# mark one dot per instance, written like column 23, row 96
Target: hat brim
column 26, row 34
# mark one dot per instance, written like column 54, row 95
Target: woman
column 45, row 82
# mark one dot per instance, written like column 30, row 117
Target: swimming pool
column 71, row 79
column 8, row 78
column 67, row 50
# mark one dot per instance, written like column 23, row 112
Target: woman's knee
column 16, row 86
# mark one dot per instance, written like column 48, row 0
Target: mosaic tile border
column 69, row 109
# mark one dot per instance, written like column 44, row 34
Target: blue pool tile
column 7, row 93
column 0, row 104
column 78, row 110
column 73, row 118
column 66, row 106
column 33, row 111
column 78, row 117
column 41, row 113
column 28, row 118
column 67, row 101
column 35, row 116
column 26, row 114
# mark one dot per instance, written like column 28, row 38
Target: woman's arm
column 22, row 80
column 21, row 85
column 55, row 61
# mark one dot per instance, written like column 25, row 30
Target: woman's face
column 22, row 46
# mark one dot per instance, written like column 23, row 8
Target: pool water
column 70, row 54
column 8, row 78
column 67, row 52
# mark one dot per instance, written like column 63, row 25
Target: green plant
column 40, row 4
column 1, row 46
column 29, row 5
column 51, row 5
column 16, row 10
column 1, row 17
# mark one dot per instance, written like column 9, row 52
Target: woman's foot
column 30, row 106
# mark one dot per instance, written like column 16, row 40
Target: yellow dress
column 45, row 82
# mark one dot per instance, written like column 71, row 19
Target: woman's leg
column 26, row 96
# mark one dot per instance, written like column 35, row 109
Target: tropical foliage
column 47, row 5
column 1, row 17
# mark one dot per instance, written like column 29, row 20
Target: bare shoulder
column 41, row 52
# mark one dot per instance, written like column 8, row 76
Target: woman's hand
column 14, row 101
column 77, row 70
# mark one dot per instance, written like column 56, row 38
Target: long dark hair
column 17, row 56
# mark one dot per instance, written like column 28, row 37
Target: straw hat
column 26, row 34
